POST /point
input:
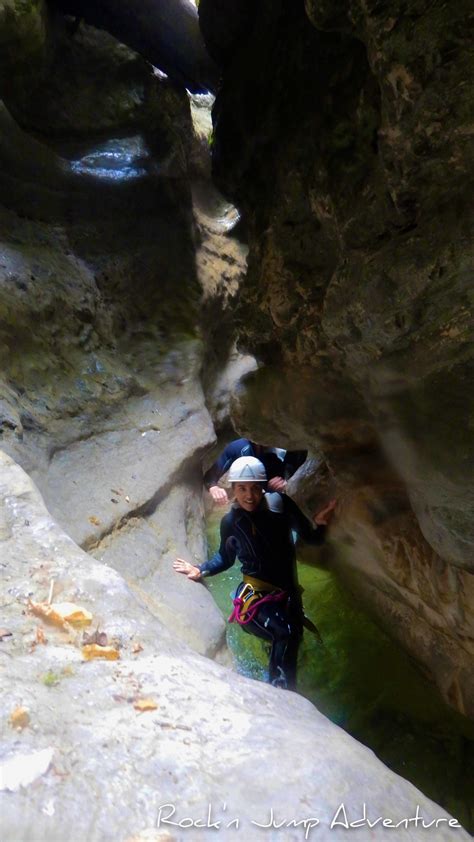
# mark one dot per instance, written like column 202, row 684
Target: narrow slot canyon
column 231, row 220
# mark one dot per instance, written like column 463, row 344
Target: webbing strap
column 237, row 614
column 259, row 584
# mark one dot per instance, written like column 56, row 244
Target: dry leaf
column 92, row 650
column 19, row 717
column 96, row 637
column 117, row 697
column 72, row 613
column 40, row 636
column 4, row 633
column 142, row 705
column 47, row 613
column 61, row 613
column 137, row 647
column 94, row 520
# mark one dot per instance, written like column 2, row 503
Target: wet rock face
column 343, row 132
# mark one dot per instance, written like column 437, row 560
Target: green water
column 366, row 684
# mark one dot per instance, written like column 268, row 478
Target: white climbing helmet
column 247, row 469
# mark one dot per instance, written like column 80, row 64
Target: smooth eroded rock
column 212, row 738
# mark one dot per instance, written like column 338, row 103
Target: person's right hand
column 189, row 570
column 219, row 495
column 276, row 484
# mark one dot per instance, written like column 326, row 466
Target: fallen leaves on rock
column 136, row 648
column 94, row 520
column 142, row 705
column 4, row 634
column 19, row 717
column 40, row 636
column 98, row 637
column 39, row 639
column 93, row 650
column 61, row 614
column 119, row 697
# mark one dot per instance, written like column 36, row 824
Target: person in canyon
column 258, row 531
column 279, row 464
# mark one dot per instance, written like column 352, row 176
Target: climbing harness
column 253, row 595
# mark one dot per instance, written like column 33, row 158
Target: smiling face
column 248, row 495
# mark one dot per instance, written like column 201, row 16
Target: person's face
column 248, row 495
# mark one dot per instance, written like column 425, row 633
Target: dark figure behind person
column 258, row 530
column 278, row 470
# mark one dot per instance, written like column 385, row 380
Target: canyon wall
column 343, row 131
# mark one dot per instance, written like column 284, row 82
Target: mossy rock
column 24, row 44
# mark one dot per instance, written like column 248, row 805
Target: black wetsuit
column 274, row 466
column 263, row 542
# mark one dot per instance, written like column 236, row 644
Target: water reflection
column 116, row 159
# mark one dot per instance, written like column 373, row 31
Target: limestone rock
column 221, row 262
column 207, row 742
column 25, row 33
column 143, row 551
column 228, row 380
column 99, row 338
column 342, row 134
column 140, row 462
column 94, row 85
column 223, row 24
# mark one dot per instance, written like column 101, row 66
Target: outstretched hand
column 189, row 570
column 323, row 517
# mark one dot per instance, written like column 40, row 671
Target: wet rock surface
column 342, row 132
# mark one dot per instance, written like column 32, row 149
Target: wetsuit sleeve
column 302, row 526
column 224, row 461
column 225, row 555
